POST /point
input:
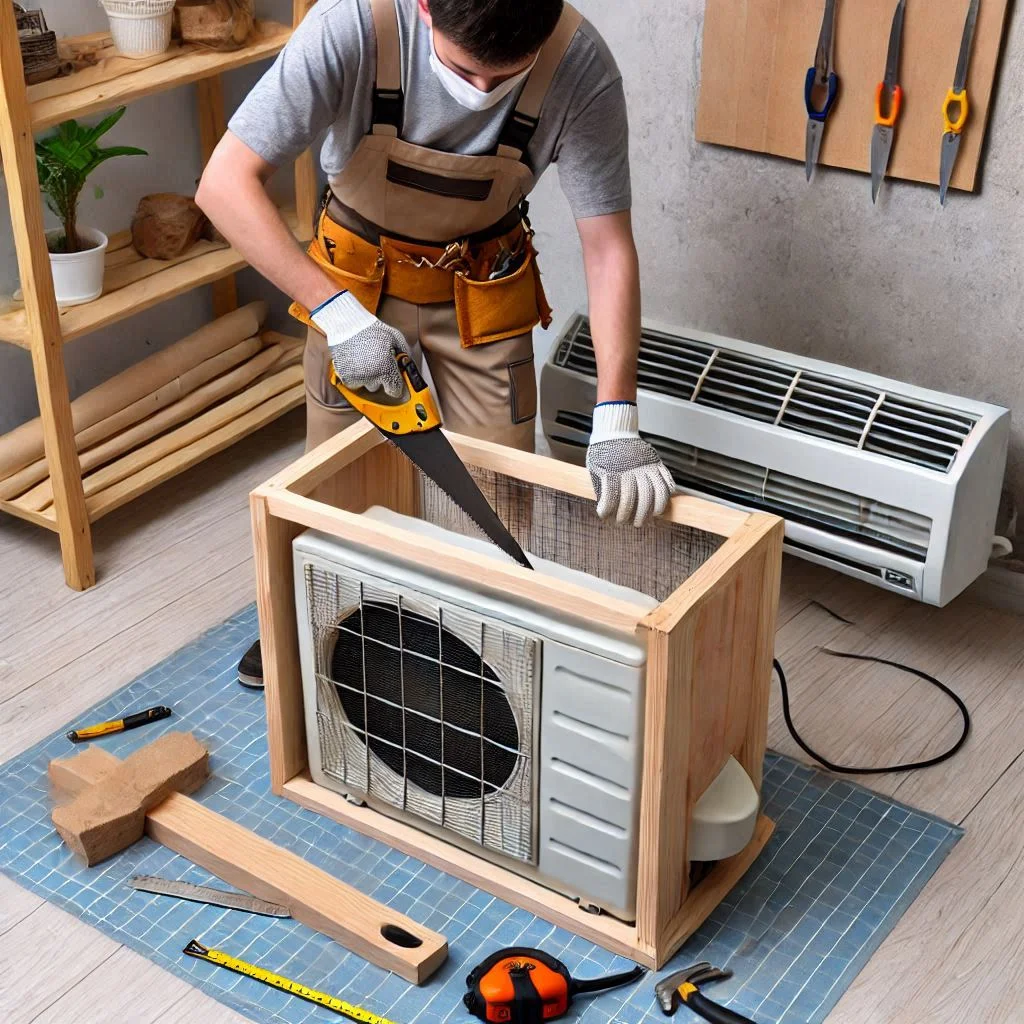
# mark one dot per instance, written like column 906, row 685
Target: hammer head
column 667, row 990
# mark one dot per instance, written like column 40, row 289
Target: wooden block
column 107, row 817
column 245, row 860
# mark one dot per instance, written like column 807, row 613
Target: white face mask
column 465, row 93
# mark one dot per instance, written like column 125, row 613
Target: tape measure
column 527, row 986
column 221, row 959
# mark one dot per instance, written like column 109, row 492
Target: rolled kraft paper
column 207, row 370
column 24, row 444
column 202, row 398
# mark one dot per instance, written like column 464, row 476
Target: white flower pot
column 140, row 28
column 78, row 276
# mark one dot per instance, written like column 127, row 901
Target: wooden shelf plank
column 119, row 80
column 155, row 473
column 46, row 519
column 164, row 281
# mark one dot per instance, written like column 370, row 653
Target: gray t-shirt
column 324, row 78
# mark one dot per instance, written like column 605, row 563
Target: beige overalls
column 414, row 234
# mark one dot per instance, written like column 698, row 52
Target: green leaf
column 98, row 193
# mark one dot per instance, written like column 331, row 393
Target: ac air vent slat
column 830, row 509
column 843, row 412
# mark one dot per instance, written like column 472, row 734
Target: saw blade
column 205, row 894
column 433, row 453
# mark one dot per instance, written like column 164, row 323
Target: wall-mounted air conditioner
column 884, row 481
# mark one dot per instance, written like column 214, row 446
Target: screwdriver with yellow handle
column 91, row 732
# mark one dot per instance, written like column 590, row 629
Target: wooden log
column 24, row 444
column 18, row 483
column 258, row 866
column 41, row 496
column 107, row 817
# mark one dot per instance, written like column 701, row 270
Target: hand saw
column 413, row 425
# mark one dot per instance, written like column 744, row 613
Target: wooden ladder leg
column 46, row 342
column 306, row 192
column 212, row 126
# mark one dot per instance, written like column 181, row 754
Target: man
column 440, row 116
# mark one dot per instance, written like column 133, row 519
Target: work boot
column 250, row 668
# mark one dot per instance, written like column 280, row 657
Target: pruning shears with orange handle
column 888, row 96
column 956, row 99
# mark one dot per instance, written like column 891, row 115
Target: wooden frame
column 709, row 669
column 43, row 328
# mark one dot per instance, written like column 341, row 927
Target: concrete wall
column 739, row 244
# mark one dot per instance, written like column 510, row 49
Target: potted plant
column 64, row 161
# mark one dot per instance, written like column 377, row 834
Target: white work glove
column 363, row 348
column 629, row 478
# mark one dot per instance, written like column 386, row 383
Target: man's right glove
column 363, row 348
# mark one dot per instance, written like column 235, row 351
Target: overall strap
column 388, row 98
column 522, row 122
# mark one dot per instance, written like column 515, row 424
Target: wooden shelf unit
column 132, row 284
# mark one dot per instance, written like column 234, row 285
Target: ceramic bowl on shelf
column 140, row 28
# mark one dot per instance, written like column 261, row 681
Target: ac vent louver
column 836, row 511
column 834, row 409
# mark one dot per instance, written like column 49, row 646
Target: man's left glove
column 629, row 478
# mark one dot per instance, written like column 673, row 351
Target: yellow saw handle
column 414, row 412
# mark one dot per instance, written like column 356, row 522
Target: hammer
column 682, row 987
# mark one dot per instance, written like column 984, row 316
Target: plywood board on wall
column 756, row 54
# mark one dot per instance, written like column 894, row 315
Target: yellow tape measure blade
column 221, row 959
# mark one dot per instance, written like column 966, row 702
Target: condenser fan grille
column 427, row 708
column 437, row 713
column 836, row 409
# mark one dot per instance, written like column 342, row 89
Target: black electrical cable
column 845, row 770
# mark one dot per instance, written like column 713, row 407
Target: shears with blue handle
column 820, row 87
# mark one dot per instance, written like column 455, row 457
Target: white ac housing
column 881, row 480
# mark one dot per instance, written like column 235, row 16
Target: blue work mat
column 840, row 870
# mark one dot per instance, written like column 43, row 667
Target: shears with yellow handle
column 955, row 107
column 888, row 94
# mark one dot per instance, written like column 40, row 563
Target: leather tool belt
column 487, row 310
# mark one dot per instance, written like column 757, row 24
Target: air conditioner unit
column 881, row 480
column 487, row 721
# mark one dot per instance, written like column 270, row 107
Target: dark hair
column 496, row 32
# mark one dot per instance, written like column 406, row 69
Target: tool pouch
column 354, row 265
column 495, row 310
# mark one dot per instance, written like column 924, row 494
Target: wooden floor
column 179, row 561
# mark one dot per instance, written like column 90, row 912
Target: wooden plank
column 258, row 866
column 169, row 280
column 706, row 896
column 282, row 677
column 113, row 497
column 755, row 54
column 716, row 572
column 665, row 797
column 46, row 519
column 562, row 476
column 567, row 598
column 304, row 475
column 188, row 64
column 212, row 126
column 307, row 200
column 765, row 574
column 603, row 929
column 42, row 328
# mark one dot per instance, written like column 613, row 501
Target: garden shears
column 820, row 87
column 956, row 98
column 889, row 92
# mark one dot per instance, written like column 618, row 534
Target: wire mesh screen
column 428, row 708
column 563, row 528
